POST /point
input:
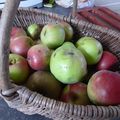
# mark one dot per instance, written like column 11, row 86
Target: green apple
column 52, row 35
column 68, row 64
column 18, row 68
column 68, row 30
column 34, row 31
column 91, row 48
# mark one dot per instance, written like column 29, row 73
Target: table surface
column 7, row 113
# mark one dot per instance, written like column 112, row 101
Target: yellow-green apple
column 104, row 88
column 75, row 94
column 20, row 45
column 44, row 83
column 68, row 30
column 91, row 48
column 34, row 30
column 107, row 61
column 17, row 31
column 52, row 35
column 38, row 57
column 18, row 68
column 68, row 64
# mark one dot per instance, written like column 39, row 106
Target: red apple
column 104, row 88
column 17, row 31
column 75, row 94
column 20, row 45
column 18, row 68
column 107, row 61
column 38, row 57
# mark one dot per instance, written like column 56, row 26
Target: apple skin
column 45, row 83
column 107, row 61
column 104, row 88
column 91, row 49
column 38, row 57
column 33, row 31
column 17, row 31
column 68, row 64
column 18, row 68
column 75, row 94
column 52, row 35
column 20, row 45
column 68, row 30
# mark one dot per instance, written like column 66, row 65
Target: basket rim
column 70, row 19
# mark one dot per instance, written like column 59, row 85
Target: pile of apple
column 44, row 59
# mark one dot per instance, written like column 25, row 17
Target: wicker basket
column 29, row 102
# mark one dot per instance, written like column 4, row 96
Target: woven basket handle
column 74, row 10
column 7, row 18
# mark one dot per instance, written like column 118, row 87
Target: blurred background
column 112, row 4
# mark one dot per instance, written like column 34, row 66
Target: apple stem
column 7, row 18
column 12, row 62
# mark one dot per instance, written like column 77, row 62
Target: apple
column 38, row 57
column 91, row 48
column 52, row 35
column 104, row 88
column 68, row 64
column 18, row 68
column 44, row 83
column 107, row 61
column 68, row 30
column 75, row 94
column 17, row 31
column 20, row 45
column 34, row 30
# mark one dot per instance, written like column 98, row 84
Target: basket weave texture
column 30, row 102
